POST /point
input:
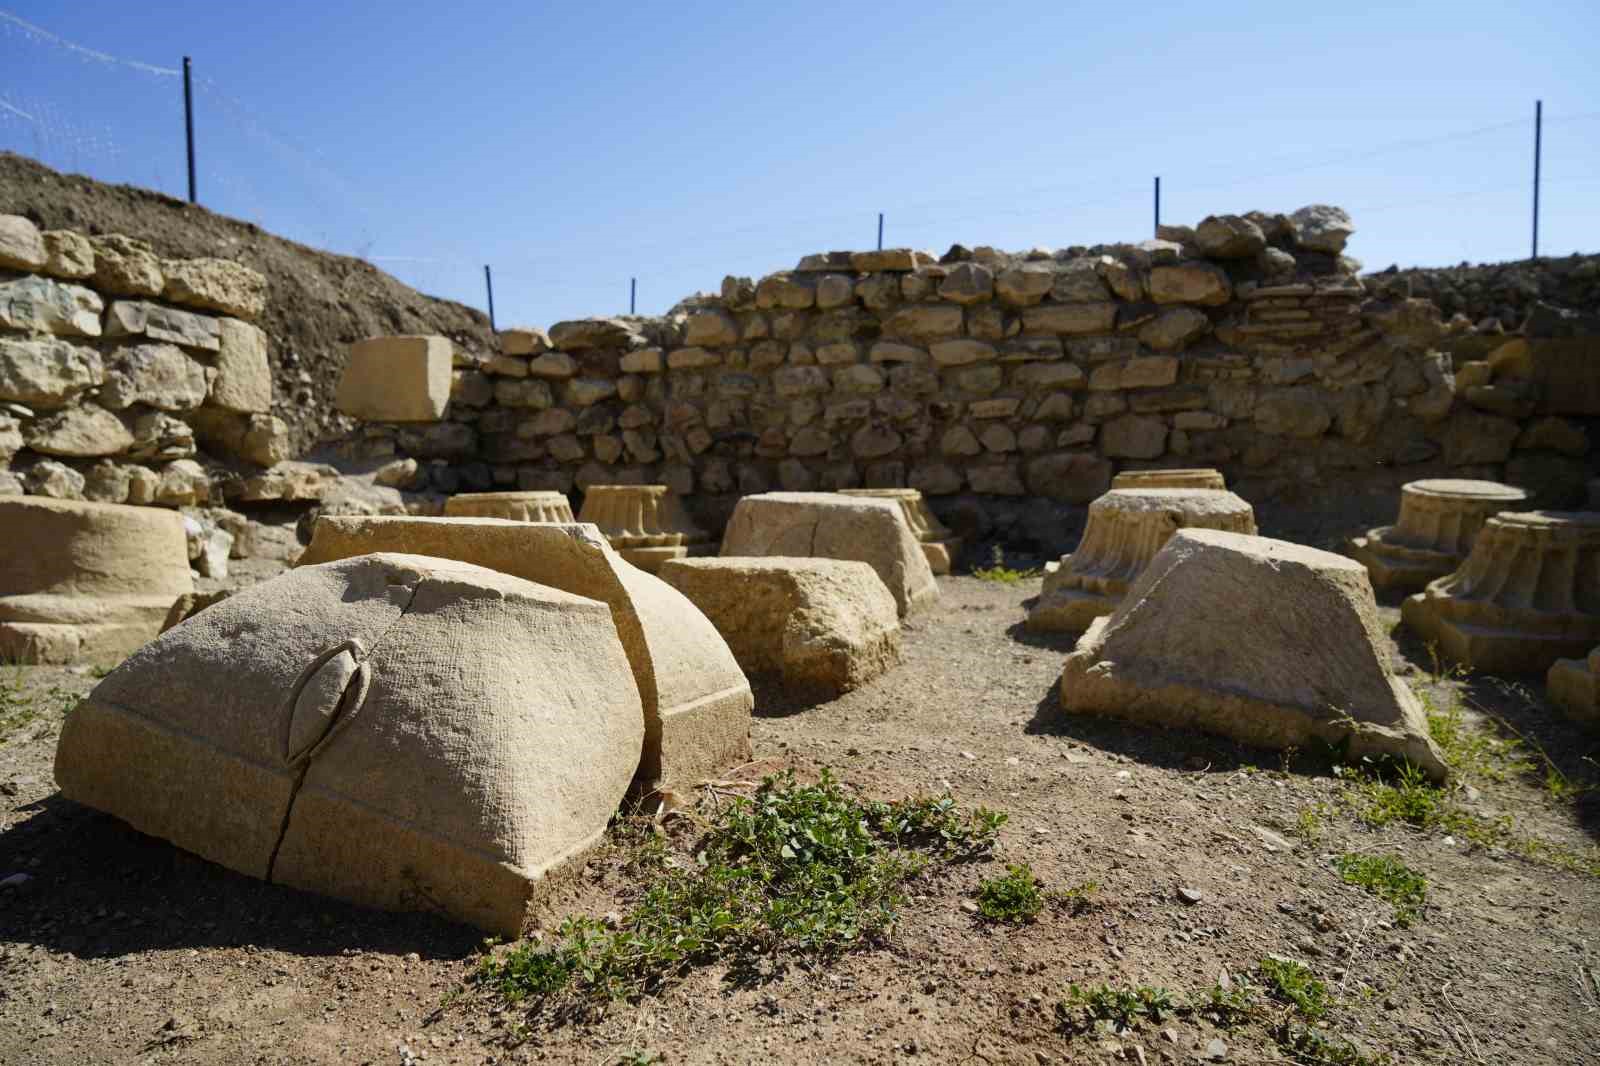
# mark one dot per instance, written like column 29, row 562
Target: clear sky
column 574, row 146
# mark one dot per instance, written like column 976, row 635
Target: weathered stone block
column 215, row 284
column 396, row 379
column 39, row 305
column 21, row 246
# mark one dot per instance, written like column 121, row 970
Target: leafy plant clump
column 1389, row 879
column 1293, row 983
column 796, row 869
column 1014, row 898
column 1122, row 1005
column 999, row 572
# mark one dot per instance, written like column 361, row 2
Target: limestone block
column 816, row 625
column 124, row 266
column 140, row 318
column 1439, row 519
column 1574, row 686
column 86, row 581
column 68, row 254
column 1190, row 283
column 645, row 524
column 1198, row 478
column 401, row 732
column 21, row 246
column 1320, row 228
column 39, row 305
column 162, row 376
column 1527, row 595
column 524, row 506
column 1124, row 531
column 524, row 340
column 83, row 432
column 696, row 701
column 593, row 333
column 832, row 526
column 56, row 480
column 396, row 379
column 1229, row 237
column 47, row 373
column 244, row 374
column 217, row 285
column 939, row 544
column 1268, row 642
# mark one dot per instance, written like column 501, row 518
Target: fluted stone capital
column 1125, row 530
column 1527, row 594
column 646, row 524
column 527, row 506
column 1439, row 519
column 1193, row 478
column 939, row 544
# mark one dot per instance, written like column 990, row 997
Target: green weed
column 1013, row 898
column 1389, row 879
column 1293, row 983
column 998, row 571
column 1120, row 1004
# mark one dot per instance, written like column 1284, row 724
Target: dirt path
column 119, row 948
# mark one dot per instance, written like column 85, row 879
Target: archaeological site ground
column 1184, row 650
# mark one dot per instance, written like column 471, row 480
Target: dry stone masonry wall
column 1248, row 343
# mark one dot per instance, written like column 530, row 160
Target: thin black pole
column 880, row 231
column 1538, row 130
column 488, row 283
column 1157, row 232
column 633, row 296
column 188, row 123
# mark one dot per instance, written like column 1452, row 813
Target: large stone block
column 832, row 526
column 45, row 372
column 21, row 245
column 1124, row 531
column 696, row 701
column 524, row 506
column 939, row 544
column 39, row 305
column 1268, row 642
column 396, row 379
column 1439, row 519
column 402, row 732
column 141, row 318
column 86, row 581
column 162, row 376
column 817, row 625
column 83, row 432
column 124, row 266
column 1527, row 595
column 645, row 524
column 244, row 373
column 217, row 285
column 1574, row 686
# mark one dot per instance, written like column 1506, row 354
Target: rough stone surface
column 162, row 376
column 21, row 245
column 215, row 284
column 84, row 432
column 244, row 373
column 398, row 731
column 39, row 305
column 822, row 626
column 1439, row 519
column 1304, row 657
column 939, row 544
column 831, row 526
column 396, row 379
column 1320, row 228
column 524, row 506
column 1574, row 686
column 47, row 373
column 124, row 266
column 696, row 700
column 86, row 581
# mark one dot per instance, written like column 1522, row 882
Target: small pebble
column 1191, row 896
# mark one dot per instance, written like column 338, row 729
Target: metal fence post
column 488, row 284
column 1538, row 130
column 188, row 124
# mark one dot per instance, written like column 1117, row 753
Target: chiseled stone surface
column 822, row 626
column 1439, row 519
column 1574, row 686
column 86, row 581
column 1527, row 594
column 939, row 544
column 525, row 506
column 696, row 700
column 1268, row 642
column 833, row 526
column 1124, row 531
column 397, row 379
column 397, row 731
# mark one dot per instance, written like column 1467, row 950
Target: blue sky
column 573, row 146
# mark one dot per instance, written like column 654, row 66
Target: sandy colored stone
column 696, row 701
column 525, row 506
column 1527, row 594
column 68, row 254
column 1574, row 686
column 21, row 245
column 1439, row 519
column 40, row 305
column 83, row 432
column 217, row 285
column 821, row 626
column 396, row 379
column 124, row 266
column 402, row 732
column 244, row 373
column 646, row 524
column 832, row 526
column 86, row 581
column 1193, row 478
column 1267, row 642
column 44, row 372
column 939, row 544
column 1125, row 530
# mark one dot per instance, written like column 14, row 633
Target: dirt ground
column 120, row 948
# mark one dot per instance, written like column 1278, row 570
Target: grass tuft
column 1013, row 898
column 1389, row 879
column 1293, row 983
column 999, row 572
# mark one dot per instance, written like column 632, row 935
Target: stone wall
column 117, row 368
column 1250, row 343
column 1503, row 292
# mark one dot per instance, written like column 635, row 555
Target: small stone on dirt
column 1191, row 896
column 1216, row 1051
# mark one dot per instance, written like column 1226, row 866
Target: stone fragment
column 1025, row 285
column 1320, row 228
column 1305, row 658
column 961, row 352
column 1527, row 595
column 968, row 283
column 244, row 373
column 160, row 437
column 884, row 259
column 260, row 439
column 1574, row 686
column 288, row 482
column 39, row 305
column 82, row 432
column 1439, row 519
column 1190, row 283
column 1175, row 478
column 593, row 333
column 1173, row 330
column 939, row 545
column 924, row 322
column 68, row 254
column 557, row 366
column 831, row 526
column 162, row 376
column 86, row 582
column 124, row 266
column 586, row 392
column 783, row 292
column 183, row 483
column 401, row 732
column 47, row 373
column 1125, row 530
column 696, row 702
column 521, row 506
column 645, row 524
column 217, row 285
column 817, row 626
column 1229, row 237
column 524, row 340
column 57, row 481
column 21, row 246
column 396, row 379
